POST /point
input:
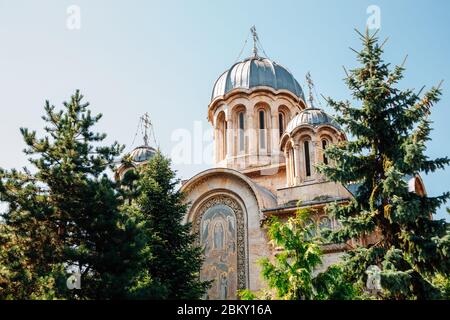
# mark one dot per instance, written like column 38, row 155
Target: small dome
column 142, row 154
column 313, row 117
column 255, row 72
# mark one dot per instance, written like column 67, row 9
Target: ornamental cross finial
column 311, row 88
column 255, row 40
column 146, row 124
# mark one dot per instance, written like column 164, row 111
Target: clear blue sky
column 162, row 57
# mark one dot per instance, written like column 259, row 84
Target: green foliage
column 291, row 274
column 247, row 295
column 390, row 127
column 65, row 214
column 443, row 284
column 172, row 261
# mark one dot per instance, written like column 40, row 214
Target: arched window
column 281, row 123
column 262, row 131
column 307, row 159
column 324, row 146
column 241, row 133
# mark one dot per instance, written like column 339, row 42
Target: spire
column 310, row 84
column 255, row 41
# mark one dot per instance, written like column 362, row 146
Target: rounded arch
column 223, row 108
column 331, row 132
column 227, row 210
column 305, row 133
column 300, row 131
column 238, row 101
column 263, row 197
column 416, row 185
column 326, row 136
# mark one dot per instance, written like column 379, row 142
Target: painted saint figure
column 223, row 287
column 218, row 237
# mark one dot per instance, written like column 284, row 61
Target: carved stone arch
column 216, row 201
column 301, row 135
column 329, row 132
column 240, row 101
column 263, row 97
column 287, row 107
column 220, row 109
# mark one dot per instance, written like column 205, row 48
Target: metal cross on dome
column 147, row 125
column 310, row 87
column 255, row 40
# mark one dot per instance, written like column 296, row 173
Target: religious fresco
column 218, row 238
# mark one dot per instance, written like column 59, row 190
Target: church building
column 267, row 141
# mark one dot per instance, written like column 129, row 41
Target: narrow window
column 262, row 127
column 281, row 123
column 307, row 160
column 292, row 159
column 241, row 131
column 324, row 146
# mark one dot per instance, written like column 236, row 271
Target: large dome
column 255, row 72
column 313, row 117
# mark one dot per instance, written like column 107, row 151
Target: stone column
column 252, row 138
column 316, row 153
column 216, row 144
column 275, row 138
column 288, row 169
column 230, row 140
column 297, row 164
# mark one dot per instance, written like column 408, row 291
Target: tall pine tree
column 173, row 261
column 390, row 127
column 65, row 216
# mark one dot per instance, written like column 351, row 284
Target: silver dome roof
column 313, row 117
column 254, row 72
column 142, row 153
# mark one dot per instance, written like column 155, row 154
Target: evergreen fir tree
column 390, row 127
column 173, row 261
column 65, row 216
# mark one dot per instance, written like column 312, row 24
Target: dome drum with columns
column 267, row 141
column 251, row 105
column 303, row 143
